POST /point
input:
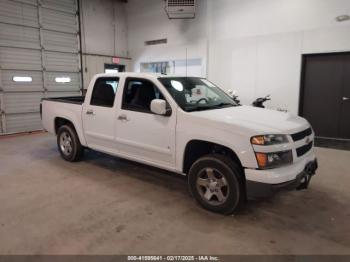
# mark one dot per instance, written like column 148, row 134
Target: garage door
column 39, row 57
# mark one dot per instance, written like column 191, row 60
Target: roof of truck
column 132, row 74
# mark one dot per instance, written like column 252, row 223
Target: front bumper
column 259, row 189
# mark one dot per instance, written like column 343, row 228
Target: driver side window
column 138, row 95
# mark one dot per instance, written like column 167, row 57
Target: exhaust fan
column 180, row 9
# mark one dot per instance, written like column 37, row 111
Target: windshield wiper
column 202, row 108
column 198, row 108
column 223, row 105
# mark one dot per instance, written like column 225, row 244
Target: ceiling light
column 63, row 79
column 22, row 79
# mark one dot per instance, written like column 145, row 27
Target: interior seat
column 131, row 93
column 103, row 95
column 144, row 96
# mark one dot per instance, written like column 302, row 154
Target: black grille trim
column 301, row 135
column 304, row 149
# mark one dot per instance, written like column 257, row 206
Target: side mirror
column 231, row 92
column 159, row 107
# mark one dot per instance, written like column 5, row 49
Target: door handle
column 90, row 112
column 123, row 118
column 346, row 98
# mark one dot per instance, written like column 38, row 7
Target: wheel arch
column 61, row 121
column 196, row 149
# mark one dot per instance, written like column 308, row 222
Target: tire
column 69, row 144
column 213, row 174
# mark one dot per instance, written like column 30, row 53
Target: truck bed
column 79, row 100
column 69, row 108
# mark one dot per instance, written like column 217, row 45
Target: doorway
column 114, row 68
column 325, row 94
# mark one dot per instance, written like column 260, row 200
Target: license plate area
column 306, row 175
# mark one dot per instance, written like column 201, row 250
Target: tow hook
column 304, row 181
column 306, row 176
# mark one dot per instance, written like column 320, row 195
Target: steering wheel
column 202, row 99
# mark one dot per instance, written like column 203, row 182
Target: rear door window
column 104, row 92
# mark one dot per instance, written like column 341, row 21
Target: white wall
column 253, row 46
column 104, row 35
column 256, row 46
column 242, row 18
column 147, row 20
column 104, row 28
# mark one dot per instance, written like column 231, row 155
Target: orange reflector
column 262, row 159
column 258, row 140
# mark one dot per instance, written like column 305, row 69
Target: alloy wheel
column 66, row 143
column 212, row 186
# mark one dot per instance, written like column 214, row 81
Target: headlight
column 268, row 140
column 273, row 160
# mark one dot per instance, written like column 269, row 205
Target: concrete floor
column 106, row 205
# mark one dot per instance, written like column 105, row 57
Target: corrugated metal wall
column 38, row 39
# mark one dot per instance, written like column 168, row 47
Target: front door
column 140, row 133
column 99, row 115
column 325, row 99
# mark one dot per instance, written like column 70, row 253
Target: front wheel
column 216, row 183
column 68, row 144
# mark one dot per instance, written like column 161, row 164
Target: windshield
column 196, row 94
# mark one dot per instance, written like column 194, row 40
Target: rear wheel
column 68, row 144
column 216, row 182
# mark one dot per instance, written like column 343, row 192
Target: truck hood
column 258, row 120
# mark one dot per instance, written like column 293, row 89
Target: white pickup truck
column 189, row 126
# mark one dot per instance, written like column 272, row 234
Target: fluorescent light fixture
column 62, row 79
column 23, row 79
column 111, row 71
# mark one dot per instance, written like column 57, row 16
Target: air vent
column 180, row 2
column 156, row 42
column 181, row 9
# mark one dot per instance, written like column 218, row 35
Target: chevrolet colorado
column 189, row 126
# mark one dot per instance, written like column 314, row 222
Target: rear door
column 141, row 134
column 99, row 114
